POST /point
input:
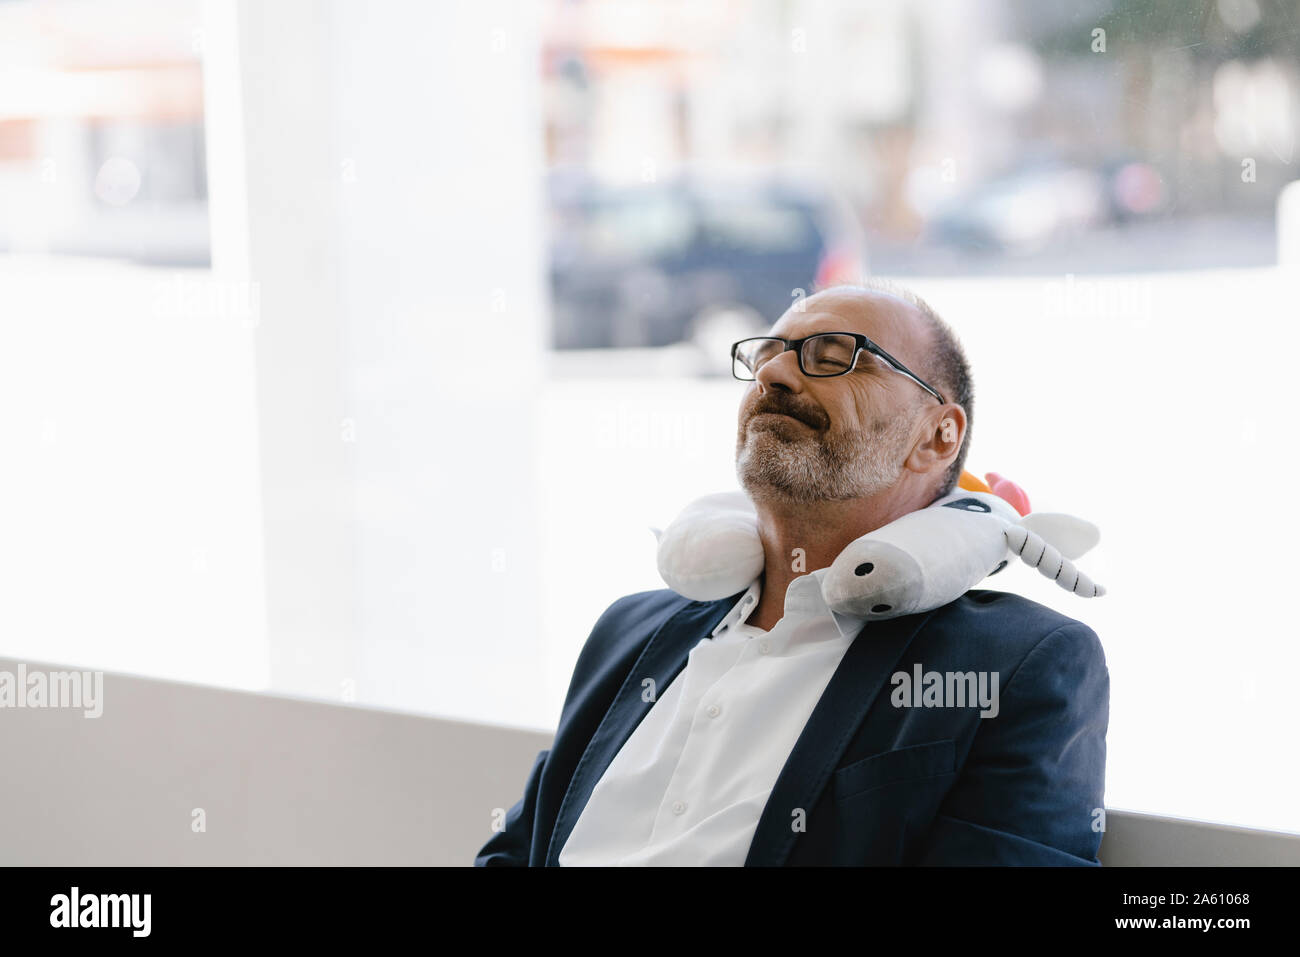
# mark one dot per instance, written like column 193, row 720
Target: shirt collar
column 803, row 597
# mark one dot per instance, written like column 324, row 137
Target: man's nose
column 780, row 372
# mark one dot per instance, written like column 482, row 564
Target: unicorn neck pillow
column 916, row 563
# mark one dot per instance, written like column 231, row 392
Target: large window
column 1091, row 194
column 130, row 501
column 352, row 350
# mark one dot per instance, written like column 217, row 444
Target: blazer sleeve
column 510, row 846
column 1033, row 786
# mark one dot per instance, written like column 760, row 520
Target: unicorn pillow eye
column 969, row 504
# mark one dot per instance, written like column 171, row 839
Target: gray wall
column 281, row 780
column 293, row 781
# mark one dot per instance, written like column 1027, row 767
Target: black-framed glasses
column 821, row 356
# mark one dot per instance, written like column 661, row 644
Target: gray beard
column 801, row 469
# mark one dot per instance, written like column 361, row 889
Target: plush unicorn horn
column 1054, row 537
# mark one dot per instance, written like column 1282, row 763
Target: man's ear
column 952, row 427
column 945, row 430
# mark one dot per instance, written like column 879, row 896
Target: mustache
column 781, row 406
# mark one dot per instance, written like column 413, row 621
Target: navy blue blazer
column 877, row 783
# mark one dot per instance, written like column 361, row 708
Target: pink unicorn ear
column 1009, row 490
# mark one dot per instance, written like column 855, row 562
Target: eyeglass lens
column 824, row 355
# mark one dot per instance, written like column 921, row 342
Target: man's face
column 803, row 439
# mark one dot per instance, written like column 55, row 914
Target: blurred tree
column 1259, row 28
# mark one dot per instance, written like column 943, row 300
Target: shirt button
column 678, row 807
column 714, row 711
column 764, row 647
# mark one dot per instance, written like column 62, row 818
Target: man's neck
column 801, row 538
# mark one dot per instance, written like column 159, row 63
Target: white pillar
column 392, row 192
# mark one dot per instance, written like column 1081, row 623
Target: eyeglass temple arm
column 898, row 366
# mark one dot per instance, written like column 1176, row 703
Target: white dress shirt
column 689, row 785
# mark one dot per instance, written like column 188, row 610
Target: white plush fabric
column 920, row 561
column 712, row 550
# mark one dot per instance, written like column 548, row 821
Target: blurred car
column 1024, row 210
column 690, row 261
column 1136, row 190
column 1029, row 208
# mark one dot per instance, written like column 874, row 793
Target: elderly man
column 773, row 738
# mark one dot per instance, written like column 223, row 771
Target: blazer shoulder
column 1006, row 622
column 628, row 616
column 622, row 630
column 642, row 600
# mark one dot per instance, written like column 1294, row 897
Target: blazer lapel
column 843, row 706
column 662, row 659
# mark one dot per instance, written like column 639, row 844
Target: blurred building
column 906, row 108
column 101, row 130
